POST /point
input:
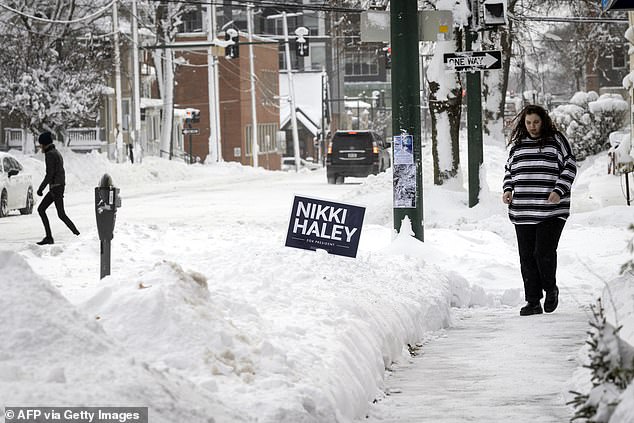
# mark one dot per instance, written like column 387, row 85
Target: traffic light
column 301, row 43
column 301, row 46
column 494, row 12
column 387, row 51
column 232, row 51
column 192, row 115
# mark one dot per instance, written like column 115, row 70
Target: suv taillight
column 329, row 148
column 375, row 148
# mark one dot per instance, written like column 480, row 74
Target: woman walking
column 538, row 178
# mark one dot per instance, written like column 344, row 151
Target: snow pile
column 52, row 353
column 87, row 169
column 278, row 341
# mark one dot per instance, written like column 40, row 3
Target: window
column 192, row 20
column 317, row 56
column 6, row 164
column 14, row 164
column 312, row 23
column 267, row 138
column 361, row 63
column 125, row 111
column 619, row 59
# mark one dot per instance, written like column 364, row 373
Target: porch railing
column 79, row 139
column 85, row 139
column 13, row 138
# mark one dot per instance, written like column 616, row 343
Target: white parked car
column 16, row 190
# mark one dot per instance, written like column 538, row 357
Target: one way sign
column 468, row 61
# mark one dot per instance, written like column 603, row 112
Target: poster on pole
column 317, row 224
column 403, row 149
column 404, row 171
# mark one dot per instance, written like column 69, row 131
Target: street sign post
column 469, row 61
column 190, row 131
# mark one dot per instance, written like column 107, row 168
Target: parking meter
column 107, row 201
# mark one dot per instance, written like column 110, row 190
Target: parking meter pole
column 406, row 99
column 107, row 201
column 104, row 268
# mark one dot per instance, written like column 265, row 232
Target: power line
column 269, row 3
column 570, row 19
column 37, row 18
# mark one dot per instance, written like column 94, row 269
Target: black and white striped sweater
column 532, row 172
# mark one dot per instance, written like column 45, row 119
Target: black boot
column 46, row 240
column 552, row 300
column 531, row 308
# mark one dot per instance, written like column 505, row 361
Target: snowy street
column 205, row 302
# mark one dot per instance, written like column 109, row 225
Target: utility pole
column 408, row 171
column 322, row 141
column 630, row 16
column 136, row 134
column 255, row 149
column 474, row 124
column 117, row 82
column 291, row 86
column 215, row 153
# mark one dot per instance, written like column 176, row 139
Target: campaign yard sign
column 326, row 225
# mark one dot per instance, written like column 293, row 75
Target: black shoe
column 76, row 232
column 552, row 300
column 46, row 240
column 531, row 308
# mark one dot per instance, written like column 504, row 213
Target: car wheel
column 339, row 180
column 4, row 204
column 332, row 179
column 29, row 202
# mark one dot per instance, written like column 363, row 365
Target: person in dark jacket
column 55, row 178
column 538, row 178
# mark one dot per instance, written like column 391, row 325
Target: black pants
column 55, row 195
column 537, row 246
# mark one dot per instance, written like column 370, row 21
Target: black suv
column 356, row 153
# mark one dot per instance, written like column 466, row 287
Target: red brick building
column 191, row 91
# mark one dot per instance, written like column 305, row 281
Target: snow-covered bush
column 588, row 120
column 611, row 361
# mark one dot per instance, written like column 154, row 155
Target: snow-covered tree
column 445, row 95
column 611, row 361
column 163, row 19
column 54, row 62
column 588, row 120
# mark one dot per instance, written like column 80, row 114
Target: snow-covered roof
column 313, row 127
column 307, row 98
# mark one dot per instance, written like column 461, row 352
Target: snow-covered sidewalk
column 491, row 366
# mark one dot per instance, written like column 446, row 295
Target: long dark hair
column 519, row 131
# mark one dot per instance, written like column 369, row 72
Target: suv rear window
column 352, row 139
